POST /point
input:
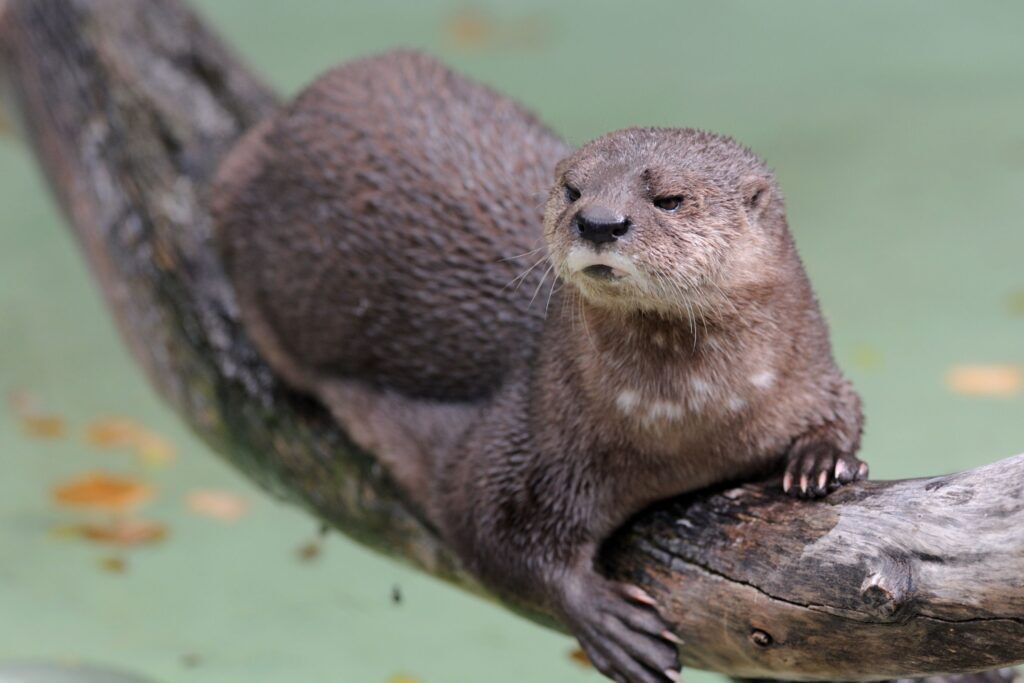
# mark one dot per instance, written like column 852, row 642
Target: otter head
column 665, row 220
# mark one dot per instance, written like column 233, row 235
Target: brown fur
column 384, row 237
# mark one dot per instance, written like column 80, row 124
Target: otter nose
column 599, row 225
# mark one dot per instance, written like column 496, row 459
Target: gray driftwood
column 128, row 105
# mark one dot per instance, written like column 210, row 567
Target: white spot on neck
column 763, row 379
column 700, row 387
column 736, row 404
column 627, row 400
column 664, row 410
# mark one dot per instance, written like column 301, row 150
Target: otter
column 537, row 342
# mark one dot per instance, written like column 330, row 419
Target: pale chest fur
column 692, row 407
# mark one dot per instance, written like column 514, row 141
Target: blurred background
column 896, row 132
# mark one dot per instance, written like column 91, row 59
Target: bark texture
column 129, row 104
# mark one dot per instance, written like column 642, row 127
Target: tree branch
column 129, row 105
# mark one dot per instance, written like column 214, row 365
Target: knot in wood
column 886, row 590
column 761, row 638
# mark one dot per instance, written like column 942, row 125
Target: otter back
column 374, row 228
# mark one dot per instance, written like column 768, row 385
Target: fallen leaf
column 191, row 660
column 43, row 426
column 122, row 532
column 34, row 422
column 100, row 490
column 217, row 504
column 475, row 28
column 403, row 678
column 114, row 565
column 1015, row 302
column 1001, row 381
column 308, row 552
column 580, row 657
column 115, row 432
column 154, row 450
column 867, row 357
column 22, row 402
column 470, row 28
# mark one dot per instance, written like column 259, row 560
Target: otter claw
column 817, row 472
column 637, row 594
column 671, row 637
column 622, row 635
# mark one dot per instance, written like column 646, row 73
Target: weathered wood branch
column 129, row 104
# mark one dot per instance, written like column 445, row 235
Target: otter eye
column 669, row 204
column 571, row 193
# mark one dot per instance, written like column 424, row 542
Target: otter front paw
column 620, row 632
column 815, row 472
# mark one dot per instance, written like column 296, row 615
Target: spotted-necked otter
column 390, row 243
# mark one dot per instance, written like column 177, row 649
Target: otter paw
column 816, row 473
column 621, row 633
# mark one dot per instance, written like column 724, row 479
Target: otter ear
column 756, row 192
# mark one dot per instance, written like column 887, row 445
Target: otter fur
column 537, row 342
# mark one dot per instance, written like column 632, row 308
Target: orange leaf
column 114, row 565
column 1001, row 381
column 470, row 27
column 307, row 552
column 217, row 504
column 99, row 490
column 580, row 657
column 114, row 432
column 43, row 426
column 122, row 532
column 22, row 402
column 1015, row 302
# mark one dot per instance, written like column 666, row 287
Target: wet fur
column 384, row 235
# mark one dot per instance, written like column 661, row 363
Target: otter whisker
column 586, row 324
column 554, row 284
column 519, row 256
column 521, row 278
column 540, row 284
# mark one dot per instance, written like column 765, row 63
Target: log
column 129, row 105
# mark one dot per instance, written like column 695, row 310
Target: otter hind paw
column 622, row 635
column 815, row 473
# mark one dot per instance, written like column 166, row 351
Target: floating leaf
column 470, row 28
column 114, row 432
column 122, row 532
column 191, row 660
column 867, row 357
column 403, row 678
column 113, row 564
column 22, row 402
column 217, row 504
column 308, row 552
column 34, row 422
column 1015, row 302
column 103, row 491
column 43, row 426
column 1001, row 381
column 580, row 657
column 474, row 28
column 154, row 450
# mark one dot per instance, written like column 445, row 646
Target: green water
column 896, row 130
